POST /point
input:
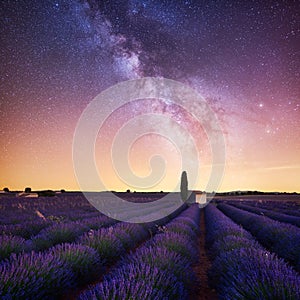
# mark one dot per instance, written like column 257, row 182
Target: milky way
column 241, row 56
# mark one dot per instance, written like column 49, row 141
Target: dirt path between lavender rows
column 203, row 291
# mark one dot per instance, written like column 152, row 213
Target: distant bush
column 6, row 190
column 47, row 193
column 28, row 190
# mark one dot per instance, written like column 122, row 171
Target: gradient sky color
column 241, row 56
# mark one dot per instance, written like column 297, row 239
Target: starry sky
column 241, row 56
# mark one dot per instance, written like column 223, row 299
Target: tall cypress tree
column 184, row 186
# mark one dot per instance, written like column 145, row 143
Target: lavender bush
column 11, row 244
column 163, row 281
column 130, row 234
column 25, row 229
column 164, row 259
column 57, row 234
column 34, row 276
column 83, row 260
column 180, row 228
column 105, row 242
column 232, row 242
column 178, row 243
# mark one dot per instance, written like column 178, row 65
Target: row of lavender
column 278, row 237
column 56, row 226
column 242, row 268
column 43, row 234
column 285, row 206
column 52, row 272
column 281, row 217
column 159, row 269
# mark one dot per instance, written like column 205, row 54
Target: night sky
column 241, row 56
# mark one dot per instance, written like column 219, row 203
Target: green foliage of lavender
column 105, row 242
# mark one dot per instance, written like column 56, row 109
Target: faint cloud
column 278, row 168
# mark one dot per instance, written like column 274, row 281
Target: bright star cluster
column 241, row 56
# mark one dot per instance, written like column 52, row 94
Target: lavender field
column 61, row 247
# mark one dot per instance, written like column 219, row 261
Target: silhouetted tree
column 6, row 190
column 62, row 191
column 184, row 186
column 28, row 190
column 128, row 191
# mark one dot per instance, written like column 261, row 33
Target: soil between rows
column 203, row 291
